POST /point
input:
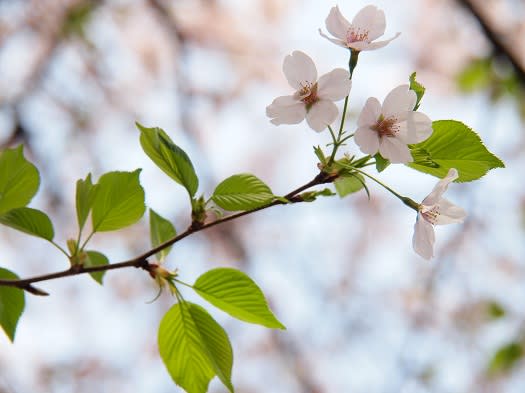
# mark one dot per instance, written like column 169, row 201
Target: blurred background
column 363, row 312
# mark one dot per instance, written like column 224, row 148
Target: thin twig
column 141, row 261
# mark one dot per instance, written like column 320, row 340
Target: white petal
column 367, row 140
column 424, row 238
column 370, row 113
column 378, row 44
column 434, row 197
column 286, row 110
column 299, row 69
column 399, row 100
column 334, row 40
column 335, row 85
column 449, row 213
column 321, row 114
column 395, row 150
column 416, row 128
column 336, row 24
column 370, row 19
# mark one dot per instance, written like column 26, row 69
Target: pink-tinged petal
column 285, row 101
column 335, row 85
column 379, row 44
column 395, row 150
column 415, row 128
column 321, row 114
column 299, row 69
column 370, row 113
column 367, row 140
column 336, row 24
column 424, row 238
column 449, row 213
column 334, row 40
column 434, row 197
column 286, row 110
column 370, row 19
column 399, row 100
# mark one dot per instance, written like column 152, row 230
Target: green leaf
column 349, row 184
column 381, row 162
column 161, row 230
column 475, row 76
column 418, row 88
column 19, row 179
column 12, row 303
column 118, row 201
column 84, row 199
column 506, row 357
column 169, row 157
column 453, row 145
column 31, row 221
column 320, row 155
column 194, row 348
column 495, row 310
column 95, row 258
column 237, row 294
column 242, row 192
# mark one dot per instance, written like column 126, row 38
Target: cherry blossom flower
column 435, row 210
column 368, row 25
column 391, row 127
column 313, row 99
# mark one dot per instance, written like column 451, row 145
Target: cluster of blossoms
column 386, row 129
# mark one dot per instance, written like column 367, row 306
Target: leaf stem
column 59, row 248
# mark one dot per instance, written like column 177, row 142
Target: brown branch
column 141, row 261
column 496, row 40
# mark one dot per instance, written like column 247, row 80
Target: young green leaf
column 476, row 75
column 161, row 230
column 381, row 162
column 242, row 192
column 12, row 303
column 453, row 145
column 349, row 184
column 237, row 294
column 418, row 88
column 194, row 348
column 95, row 258
column 31, row 221
column 169, row 157
column 506, row 357
column 84, row 199
column 19, row 179
column 118, row 201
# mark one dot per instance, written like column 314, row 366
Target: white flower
column 435, row 210
column 391, row 127
column 313, row 98
column 368, row 25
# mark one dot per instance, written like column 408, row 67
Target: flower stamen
column 308, row 94
column 355, row 35
column 386, row 127
column 430, row 214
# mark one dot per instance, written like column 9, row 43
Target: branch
column 141, row 261
column 496, row 40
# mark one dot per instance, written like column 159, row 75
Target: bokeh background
column 364, row 313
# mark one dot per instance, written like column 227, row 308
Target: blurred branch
column 496, row 40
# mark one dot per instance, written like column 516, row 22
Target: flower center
column 308, row 94
column 356, row 35
column 386, row 127
column 430, row 214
